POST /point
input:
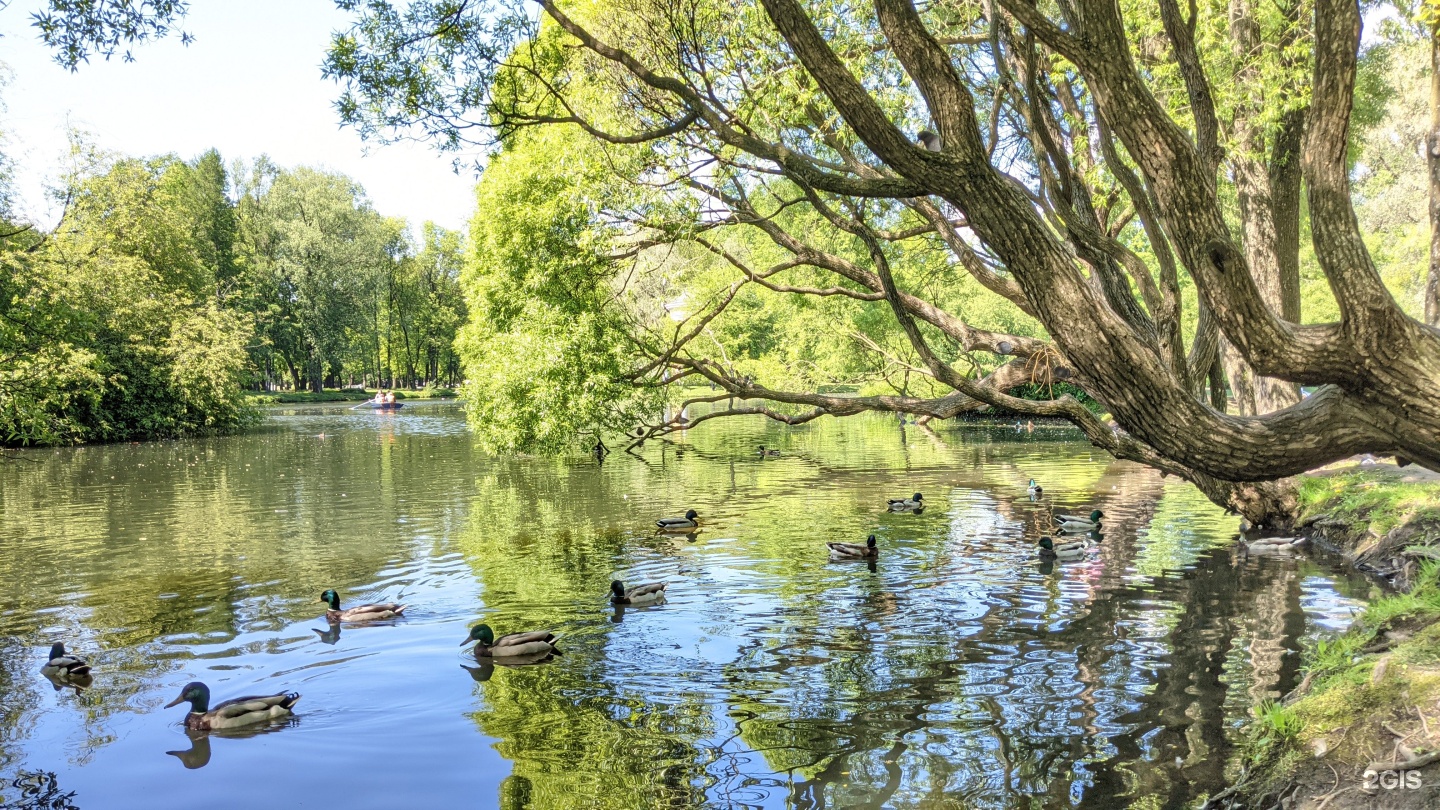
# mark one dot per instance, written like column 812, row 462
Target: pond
column 958, row 670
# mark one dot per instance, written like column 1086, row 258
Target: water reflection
column 198, row 754
column 37, row 790
column 956, row 668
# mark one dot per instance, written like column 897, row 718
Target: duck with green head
column 359, row 613
column 647, row 594
column 1075, row 523
column 1065, row 550
column 513, row 644
column 1034, row 488
column 853, row 551
column 679, row 524
column 235, row 713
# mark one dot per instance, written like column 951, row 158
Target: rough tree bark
column 1432, row 163
column 1060, row 86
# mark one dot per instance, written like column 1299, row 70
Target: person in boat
column 389, row 397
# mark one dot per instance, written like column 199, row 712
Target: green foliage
column 111, row 331
column 339, row 292
column 1276, row 723
column 1391, row 192
column 76, row 29
column 545, row 353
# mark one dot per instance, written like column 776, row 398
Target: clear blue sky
column 249, row 85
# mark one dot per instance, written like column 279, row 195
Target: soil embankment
column 1362, row 730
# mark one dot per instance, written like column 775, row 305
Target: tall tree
column 1062, row 137
column 322, row 249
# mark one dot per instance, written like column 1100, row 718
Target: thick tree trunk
column 316, row 372
column 1285, row 181
column 1432, row 160
column 1270, row 215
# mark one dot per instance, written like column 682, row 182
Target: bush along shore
column 1362, row 729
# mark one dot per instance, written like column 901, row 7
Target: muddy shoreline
column 1362, row 729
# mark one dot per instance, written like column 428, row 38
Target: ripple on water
column 957, row 664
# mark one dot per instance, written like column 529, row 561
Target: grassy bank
column 343, row 395
column 1363, row 727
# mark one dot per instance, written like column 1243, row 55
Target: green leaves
column 110, row 329
column 78, row 28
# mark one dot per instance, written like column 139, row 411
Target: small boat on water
column 382, row 406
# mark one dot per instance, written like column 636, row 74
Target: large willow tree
column 1086, row 160
column 1083, row 159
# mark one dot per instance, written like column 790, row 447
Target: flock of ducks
column 515, row 649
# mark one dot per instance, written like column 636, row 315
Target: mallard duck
column 638, row 595
column 1274, row 545
column 1066, row 550
column 771, row 453
column 1034, row 488
column 1074, row 523
column 62, row 666
column 853, row 551
column 359, row 613
column 235, row 713
column 679, row 524
column 487, row 646
column 906, row 504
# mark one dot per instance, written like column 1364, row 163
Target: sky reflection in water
column 957, row 670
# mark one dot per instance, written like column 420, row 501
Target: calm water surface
column 959, row 671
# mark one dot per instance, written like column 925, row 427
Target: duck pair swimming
column 72, row 669
column 542, row 642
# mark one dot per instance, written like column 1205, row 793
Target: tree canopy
column 167, row 290
column 1093, row 164
column 1141, row 197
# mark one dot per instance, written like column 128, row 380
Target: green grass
column 1347, row 704
column 1351, row 705
column 1363, row 497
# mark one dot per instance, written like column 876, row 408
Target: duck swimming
column 638, row 595
column 1073, row 523
column 1034, row 488
column 853, row 551
column 235, row 713
column 63, row 666
column 679, row 524
column 488, row 646
column 1065, row 550
column 906, row 504
column 359, row 613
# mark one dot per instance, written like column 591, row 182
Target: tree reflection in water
column 37, row 790
column 956, row 669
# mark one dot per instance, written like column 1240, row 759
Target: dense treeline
column 170, row 287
